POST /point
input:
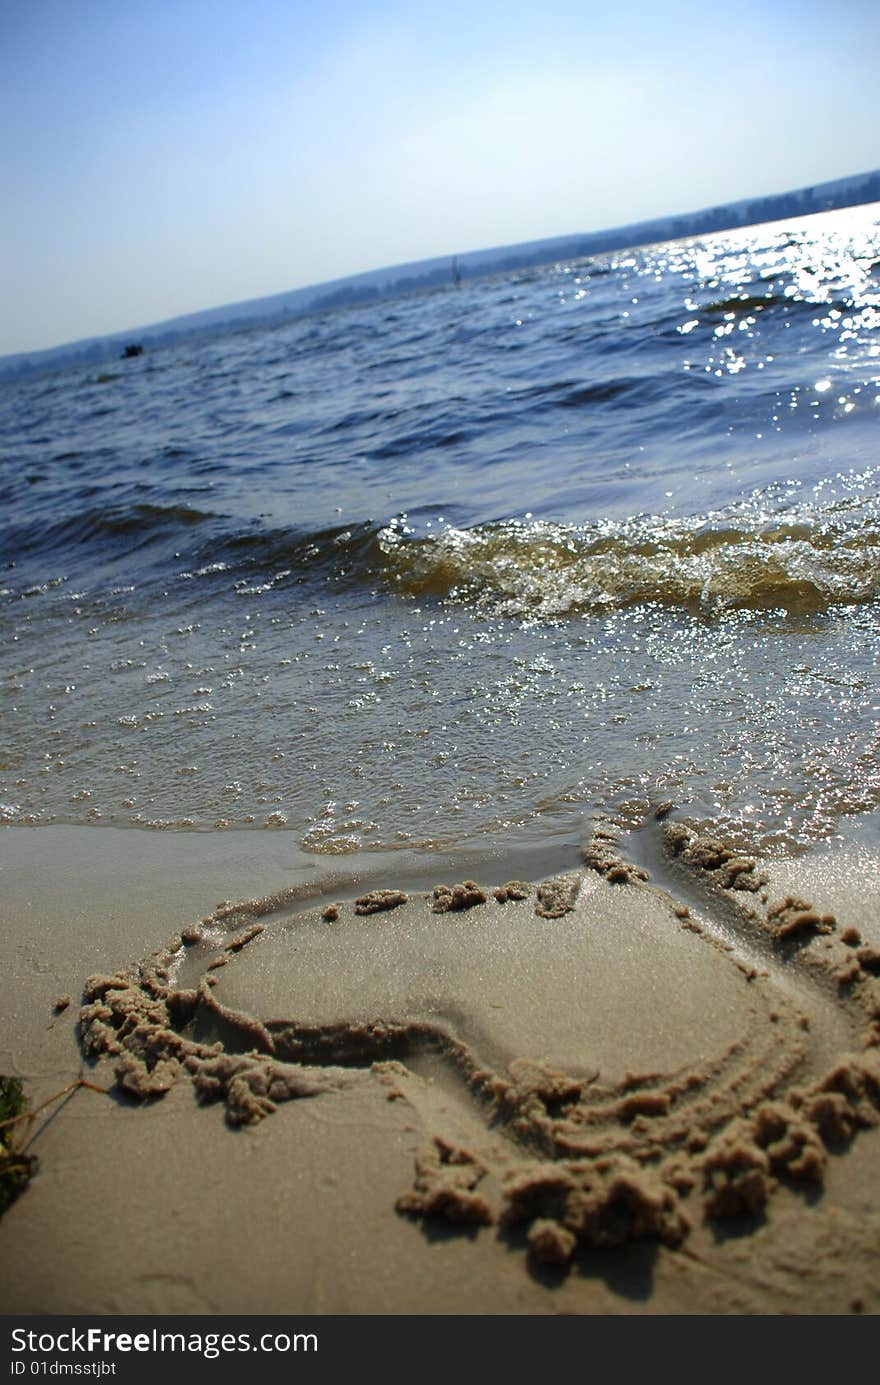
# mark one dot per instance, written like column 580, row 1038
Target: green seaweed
column 16, row 1168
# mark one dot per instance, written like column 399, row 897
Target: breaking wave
column 543, row 569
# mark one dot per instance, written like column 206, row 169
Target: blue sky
column 162, row 157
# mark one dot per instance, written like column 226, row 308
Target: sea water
column 475, row 564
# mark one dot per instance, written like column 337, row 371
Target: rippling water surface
column 482, row 560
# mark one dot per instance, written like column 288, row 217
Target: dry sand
column 649, row 1083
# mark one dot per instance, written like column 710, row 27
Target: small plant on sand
column 16, row 1169
column 16, row 1119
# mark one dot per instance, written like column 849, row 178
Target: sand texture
column 646, row 1083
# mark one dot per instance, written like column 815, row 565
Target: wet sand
column 643, row 1079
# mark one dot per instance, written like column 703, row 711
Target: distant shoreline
column 398, row 280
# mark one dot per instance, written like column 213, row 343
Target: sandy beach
column 643, row 1081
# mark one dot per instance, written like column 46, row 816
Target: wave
column 538, row 569
column 785, row 302
column 744, row 558
column 542, row 570
column 106, row 526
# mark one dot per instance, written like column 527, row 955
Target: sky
column 163, row 156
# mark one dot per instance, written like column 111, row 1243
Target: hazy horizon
column 182, row 320
column 198, row 155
